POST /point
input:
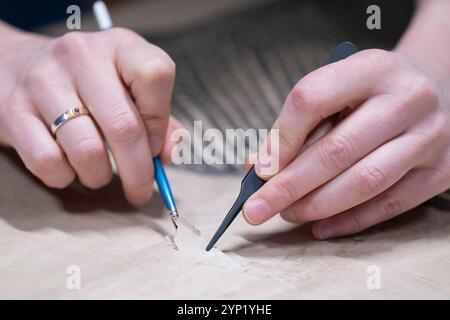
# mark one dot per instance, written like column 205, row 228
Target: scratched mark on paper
column 191, row 244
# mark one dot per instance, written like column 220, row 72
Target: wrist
column 426, row 43
column 436, row 69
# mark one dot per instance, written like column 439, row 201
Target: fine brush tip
column 174, row 216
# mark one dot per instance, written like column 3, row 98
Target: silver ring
column 66, row 116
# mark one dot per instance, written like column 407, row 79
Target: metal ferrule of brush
column 174, row 217
column 174, row 214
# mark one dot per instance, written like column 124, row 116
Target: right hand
column 125, row 82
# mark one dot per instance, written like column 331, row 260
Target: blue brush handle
column 163, row 185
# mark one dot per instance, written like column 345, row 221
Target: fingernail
column 256, row 211
column 155, row 145
column 325, row 231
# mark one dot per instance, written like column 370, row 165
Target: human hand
column 126, row 84
column 391, row 153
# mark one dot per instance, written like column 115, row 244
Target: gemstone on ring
column 66, row 116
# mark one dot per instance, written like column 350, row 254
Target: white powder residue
column 189, row 242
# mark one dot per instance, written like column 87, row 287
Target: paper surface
column 191, row 247
column 123, row 252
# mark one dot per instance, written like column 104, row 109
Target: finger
column 79, row 137
column 38, row 150
column 320, row 94
column 150, row 74
column 122, row 125
column 250, row 161
column 318, row 132
column 86, row 151
column 169, row 144
column 52, row 94
column 352, row 139
column 363, row 181
column 415, row 188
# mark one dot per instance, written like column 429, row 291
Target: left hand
column 390, row 154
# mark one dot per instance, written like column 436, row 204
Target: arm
column 427, row 39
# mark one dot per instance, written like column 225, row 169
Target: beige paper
column 123, row 252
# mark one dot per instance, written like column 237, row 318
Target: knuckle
column 286, row 189
column 424, row 91
column 72, row 44
column 383, row 60
column 388, row 207
column 120, row 32
column 305, row 98
column 160, row 69
column 40, row 74
column 88, row 150
column 336, row 154
column 44, row 162
column 369, row 180
column 125, row 127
